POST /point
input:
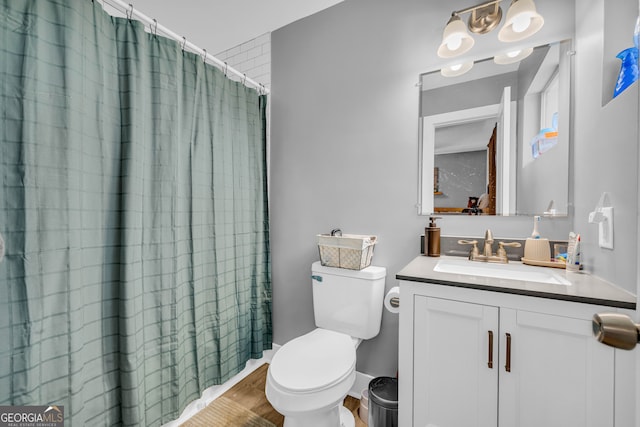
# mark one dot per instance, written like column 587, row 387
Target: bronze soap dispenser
column 432, row 238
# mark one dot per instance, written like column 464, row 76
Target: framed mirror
column 495, row 139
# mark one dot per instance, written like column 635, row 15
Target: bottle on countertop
column 432, row 238
column 573, row 253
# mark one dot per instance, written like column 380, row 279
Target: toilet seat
column 313, row 362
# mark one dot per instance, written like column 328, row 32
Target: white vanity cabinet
column 472, row 357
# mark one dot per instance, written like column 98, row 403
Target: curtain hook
column 204, row 55
column 244, row 78
column 155, row 27
column 129, row 12
column 184, row 42
column 226, row 67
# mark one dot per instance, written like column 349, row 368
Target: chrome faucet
column 487, row 253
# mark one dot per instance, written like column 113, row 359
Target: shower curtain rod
column 154, row 26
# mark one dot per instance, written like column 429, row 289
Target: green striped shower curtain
column 133, row 205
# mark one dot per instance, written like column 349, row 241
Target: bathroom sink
column 500, row 271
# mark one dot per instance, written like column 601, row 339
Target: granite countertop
column 584, row 287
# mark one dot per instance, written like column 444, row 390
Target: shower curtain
column 133, row 204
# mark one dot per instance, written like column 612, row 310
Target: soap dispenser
column 432, row 238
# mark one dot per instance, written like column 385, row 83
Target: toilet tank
column 348, row 301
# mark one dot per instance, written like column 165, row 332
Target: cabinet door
column 560, row 376
column 455, row 378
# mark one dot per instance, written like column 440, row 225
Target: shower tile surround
column 252, row 58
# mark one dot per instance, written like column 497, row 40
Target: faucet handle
column 509, row 244
column 502, row 253
column 467, row 242
column 474, row 250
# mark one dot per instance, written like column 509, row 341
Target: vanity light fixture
column 522, row 21
column 456, row 69
column 512, row 56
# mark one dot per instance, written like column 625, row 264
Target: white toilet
column 310, row 376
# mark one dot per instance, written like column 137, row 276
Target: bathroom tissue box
column 537, row 249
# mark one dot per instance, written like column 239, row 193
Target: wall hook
column 603, row 216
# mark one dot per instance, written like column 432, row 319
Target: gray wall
column 606, row 139
column 344, row 147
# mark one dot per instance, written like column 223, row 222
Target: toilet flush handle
column 317, row 278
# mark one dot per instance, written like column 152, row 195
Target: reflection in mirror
column 495, row 140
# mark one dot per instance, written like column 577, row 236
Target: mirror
column 495, row 140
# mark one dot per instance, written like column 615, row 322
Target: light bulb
column 514, row 53
column 456, row 67
column 521, row 22
column 454, row 42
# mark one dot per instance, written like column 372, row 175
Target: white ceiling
column 471, row 136
column 218, row 25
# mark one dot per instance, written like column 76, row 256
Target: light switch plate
column 605, row 229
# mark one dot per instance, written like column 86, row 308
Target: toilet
column 310, row 376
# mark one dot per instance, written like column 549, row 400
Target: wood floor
column 250, row 393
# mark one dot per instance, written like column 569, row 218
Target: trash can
column 383, row 402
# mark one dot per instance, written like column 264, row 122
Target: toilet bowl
column 310, row 376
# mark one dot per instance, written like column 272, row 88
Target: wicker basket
column 350, row 251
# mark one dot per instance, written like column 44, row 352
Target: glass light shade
column 522, row 21
column 457, row 69
column 512, row 57
column 455, row 39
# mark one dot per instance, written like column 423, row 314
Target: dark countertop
column 584, row 287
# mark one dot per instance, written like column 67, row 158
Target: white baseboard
column 361, row 383
column 267, row 355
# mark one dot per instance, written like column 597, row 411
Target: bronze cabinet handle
column 507, row 367
column 490, row 362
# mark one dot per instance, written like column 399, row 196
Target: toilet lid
column 313, row 361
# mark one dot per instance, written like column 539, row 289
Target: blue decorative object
column 546, row 139
column 629, row 67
